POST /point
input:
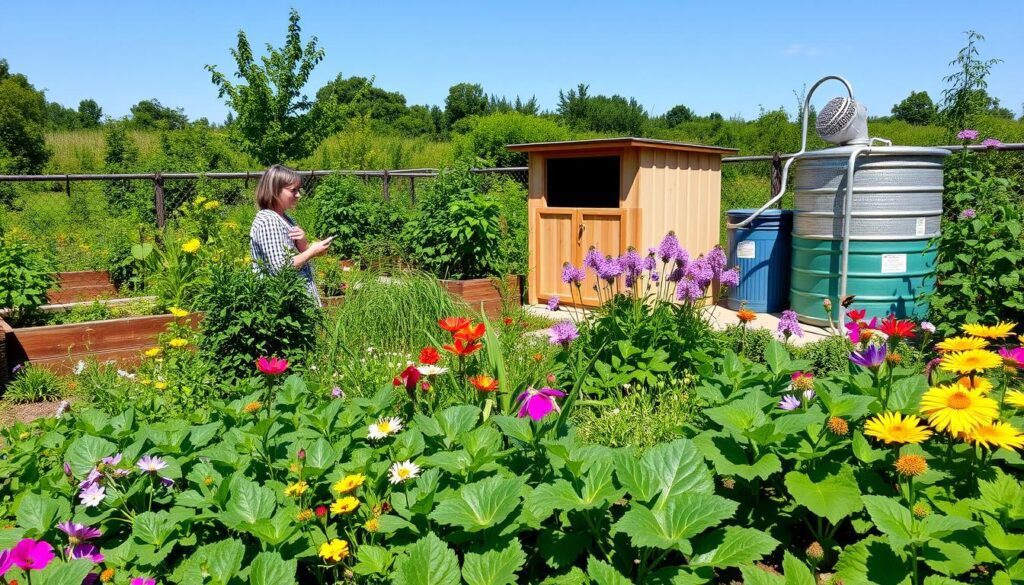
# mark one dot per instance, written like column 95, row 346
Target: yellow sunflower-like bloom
column 972, row 360
column 998, row 331
column 334, row 551
column 177, row 343
column 978, row 383
column 160, row 385
column 996, row 435
column 961, row 344
column 1015, row 398
column 892, row 427
column 191, row 247
column 211, row 205
column 296, row 489
column 178, row 312
column 348, row 483
column 153, row 352
column 344, row 505
column 956, row 409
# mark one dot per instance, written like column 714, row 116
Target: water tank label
column 894, row 263
column 745, row 249
column 920, row 227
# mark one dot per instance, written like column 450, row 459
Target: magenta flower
column 6, row 561
column 78, row 533
column 554, row 302
column 968, row 213
column 563, row 333
column 991, row 143
column 32, row 554
column 272, row 366
column 788, row 325
column 789, row 402
column 967, row 134
column 537, row 404
column 1013, row 358
column 871, row 358
column 143, row 581
column 85, row 551
column 151, row 464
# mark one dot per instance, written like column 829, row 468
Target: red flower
column 857, row 315
column 272, row 366
column 408, row 378
column 471, row 333
column 897, row 328
column 320, row 511
column 453, row 324
column 424, row 385
column 508, row 320
column 429, row 356
column 484, row 383
column 461, row 347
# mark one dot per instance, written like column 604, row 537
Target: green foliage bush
column 484, row 144
column 827, row 356
column 122, row 156
column 34, row 384
column 25, row 276
column 354, row 214
column 248, row 315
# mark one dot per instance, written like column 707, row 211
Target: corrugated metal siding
column 680, row 191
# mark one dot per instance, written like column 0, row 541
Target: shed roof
column 624, row 142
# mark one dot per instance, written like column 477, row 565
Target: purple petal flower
column 167, row 482
column 92, row 495
column 111, row 461
column 991, row 143
column 809, row 395
column 871, row 357
column 788, row 325
column 789, row 402
column 593, row 259
column 143, row 581
column 731, row 277
column 927, row 326
column 676, row 274
column 968, row 213
column 610, row 269
column 151, row 464
column 682, row 259
column 655, row 277
column 67, row 469
column 554, row 302
column 90, row 479
column 337, row 392
column 688, row 290
column 78, row 533
column 563, row 333
column 701, row 272
column 669, row 247
column 85, row 551
column 537, row 404
column 572, row 274
column 967, row 134
column 717, row 260
column 649, row 262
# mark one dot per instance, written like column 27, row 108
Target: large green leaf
column 373, row 560
column 730, row 458
column 871, row 561
column 671, row 526
column 496, row 567
column 37, row 514
column 938, row 526
column 679, row 467
column 732, row 547
column 892, row 518
column 833, row 496
column 224, row 560
column 153, row 528
column 268, row 568
column 319, row 458
column 480, row 505
column 796, row 571
column 948, row 558
column 86, row 451
column 61, row 573
column 604, row 574
column 249, row 502
column 598, row 490
column 755, row 575
column 455, row 420
column 429, row 562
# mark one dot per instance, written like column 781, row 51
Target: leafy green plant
column 25, row 276
column 176, row 270
column 346, row 210
column 34, row 384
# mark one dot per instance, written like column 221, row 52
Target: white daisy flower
column 404, row 471
column 79, row 367
column 126, row 374
column 431, row 370
column 385, row 427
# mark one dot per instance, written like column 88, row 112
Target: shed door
column 603, row 229
column 555, row 244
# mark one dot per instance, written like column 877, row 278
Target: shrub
column 25, row 276
column 34, row 384
column 248, row 315
column 122, row 156
column 827, row 356
column 484, row 144
column 346, row 209
column 749, row 342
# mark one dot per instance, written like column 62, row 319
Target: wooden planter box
column 86, row 285
column 59, row 347
column 486, row 292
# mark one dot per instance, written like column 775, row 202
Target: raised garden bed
column 486, row 292
column 85, row 285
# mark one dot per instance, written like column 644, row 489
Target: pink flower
column 272, row 366
column 143, row 581
column 85, row 551
column 537, row 404
column 967, row 134
column 32, row 554
column 991, row 143
column 6, row 560
column 408, row 378
column 1013, row 358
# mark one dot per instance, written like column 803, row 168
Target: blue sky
column 730, row 57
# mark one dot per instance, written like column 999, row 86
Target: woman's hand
column 320, row 248
column 298, row 235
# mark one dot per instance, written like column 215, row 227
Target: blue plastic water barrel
column 762, row 250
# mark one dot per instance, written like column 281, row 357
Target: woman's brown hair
column 273, row 180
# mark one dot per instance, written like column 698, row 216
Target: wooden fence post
column 777, row 185
column 158, row 200
column 412, row 190
column 386, row 187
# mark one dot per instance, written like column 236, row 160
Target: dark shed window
column 583, row 182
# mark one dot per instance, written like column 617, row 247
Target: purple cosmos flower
column 143, row 581
column 1012, row 358
column 572, row 274
column 537, row 404
column 90, row 479
column 78, row 533
column 701, row 272
column 30, row 554
column 151, row 464
column 337, row 392
column 871, row 357
column 788, row 325
column 991, row 143
column 85, row 551
column 968, row 213
column 554, row 302
column 688, row 290
column 731, row 277
column 562, row 333
column 167, row 482
column 92, row 495
column 669, row 247
column 967, row 134
column 111, row 461
column 789, row 402
column 6, row 560
column 717, row 260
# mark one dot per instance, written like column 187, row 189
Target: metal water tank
column 896, row 209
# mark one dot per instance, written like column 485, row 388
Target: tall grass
column 82, row 151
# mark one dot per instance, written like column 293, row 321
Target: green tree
column 122, row 156
column 417, row 121
column 616, row 114
column 572, row 106
column 344, row 98
column 152, row 115
column 917, row 109
column 89, row 113
column 59, row 117
column 962, row 100
column 273, row 118
column 464, row 99
column 679, row 114
column 22, row 121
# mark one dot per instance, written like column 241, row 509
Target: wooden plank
column 79, row 293
column 83, row 277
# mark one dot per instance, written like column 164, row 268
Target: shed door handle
column 579, row 236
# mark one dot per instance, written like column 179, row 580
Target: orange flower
column 453, row 324
column 746, row 315
column 462, row 348
column 471, row 333
column 429, row 356
column 537, row 357
column 484, row 383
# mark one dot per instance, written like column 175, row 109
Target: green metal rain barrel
column 895, row 213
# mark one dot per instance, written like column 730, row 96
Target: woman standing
column 275, row 240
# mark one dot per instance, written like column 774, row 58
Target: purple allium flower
column 151, row 464
column 78, row 533
column 927, row 326
column 554, row 302
column 337, row 392
column 701, row 272
column 731, row 277
column 789, row 402
column 563, row 333
column 788, row 325
column 67, row 469
column 676, row 275
column 572, row 274
column 968, row 213
column 688, row 290
column 991, row 143
column 654, row 277
column 871, row 357
column 669, row 247
column 85, row 551
column 610, row 269
column 650, row 263
column 682, row 259
column 632, row 264
column 967, row 134
column 717, row 260
column 92, row 495
column 537, row 404
column 593, row 259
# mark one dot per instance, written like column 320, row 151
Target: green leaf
column 948, row 558
column 604, row 574
column 871, row 561
column 250, row 501
column 480, row 505
column 796, row 571
column 730, row 458
column 153, row 528
column 37, row 514
column 672, row 525
column 494, row 567
column 61, row 573
column 892, row 518
column 862, row 449
column 224, row 560
column 268, row 568
column 85, row 452
column 731, row 547
column 320, row 457
column 373, row 560
column 834, row 496
column 429, row 562
column 679, row 467
column 755, row 575
column 938, row 526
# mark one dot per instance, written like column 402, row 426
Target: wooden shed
column 614, row 193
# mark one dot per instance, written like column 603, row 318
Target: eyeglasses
column 294, row 189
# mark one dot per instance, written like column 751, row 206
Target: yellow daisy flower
column 177, row 343
column 956, row 409
column 192, row 246
column 334, row 551
column 199, row 201
column 972, row 360
column 996, row 435
column 160, row 385
column 372, row 525
column 998, row 331
column 961, row 344
column 153, row 352
column 178, row 312
column 1014, row 398
column 892, row 427
column 979, row 383
column 211, row 205
column 145, row 381
column 344, row 505
column 348, row 483
column 296, row 489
